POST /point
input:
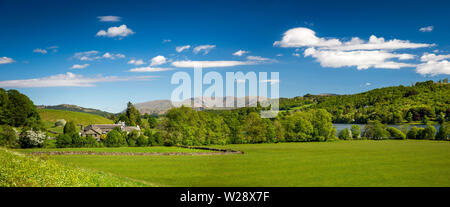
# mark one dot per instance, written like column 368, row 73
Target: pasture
column 340, row 163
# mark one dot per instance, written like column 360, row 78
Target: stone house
column 97, row 130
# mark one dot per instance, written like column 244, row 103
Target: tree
column 133, row 116
column 8, row 136
column 152, row 121
column 63, row 141
column 142, row 141
column 77, row 140
column 429, row 132
column 19, row 110
column 31, row 138
column 375, row 130
column 396, row 133
column 132, row 138
column 413, row 133
column 70, row 128
column 409, row 116
column 115, row 139
column 345, row 134
column 356, row 132
column 444, row 132
column 255, row 129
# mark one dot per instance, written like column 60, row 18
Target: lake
column 340, row 127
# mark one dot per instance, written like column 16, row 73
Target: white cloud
column 167, row 40
column 296, row 54
column 304, row 37
column 66, row 80
column 210, row 64
column 149, row 69
column 158, row 60
column 136, row 62
column 240, row 52
column 109, row 18
column 112, row 56
column 368, row 84
column 121, row 31
column 361, row 59
column 279, row 55
column 426, row 29
column 181, row 48
column 39, row 50
column 434, row 65
column 77, row 66
column 258, row 58
column 95, row 55
column 6, row 60
column 204, row 48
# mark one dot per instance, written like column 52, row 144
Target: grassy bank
column 19, row 170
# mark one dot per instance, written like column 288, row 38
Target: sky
column 102, row 54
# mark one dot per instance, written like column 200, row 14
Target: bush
column 356, row 132
column 63, row 140
column 443, row 133
column 396, row 133
column 30, row 138
column 8, row 136
column 412, row 133
column 91, row 141
column 78, row 141
column 132, row 138
column 142, row 141
column 115, row 139
column 345, row 134
column 375, row 130
column 429, row 132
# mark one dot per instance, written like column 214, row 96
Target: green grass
column 115, row 149
column 18, row 170
column 341, row 163
column 49, row 116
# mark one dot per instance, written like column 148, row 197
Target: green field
column 49, row 117
column 341, row 163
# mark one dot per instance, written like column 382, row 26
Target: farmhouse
column 98, row 129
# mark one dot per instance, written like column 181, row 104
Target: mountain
column 162, row 106
column 69, row 107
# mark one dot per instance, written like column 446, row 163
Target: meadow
column 340, row 163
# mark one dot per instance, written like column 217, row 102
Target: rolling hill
column 69, row 107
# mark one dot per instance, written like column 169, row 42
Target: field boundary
column 216, row 152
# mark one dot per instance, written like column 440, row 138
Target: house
column 97, row 130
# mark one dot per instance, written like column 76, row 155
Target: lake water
column 340, row 127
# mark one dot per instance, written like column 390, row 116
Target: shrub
column 412, row 133
column 429, row 132
column 31, row 138
column 132, row 138
column 396, row 133
column 63, row 140
column 8, row 136
column 78, row 141
column 115, row 139
column 375, row 130
column 142, row 141
column 443, row 133
column 345, row 134
column 91, row 141
column 356, row 132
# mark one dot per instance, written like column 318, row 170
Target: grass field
column 49, row 116
column 341, row 163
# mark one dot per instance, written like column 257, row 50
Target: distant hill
column 162, row 106
column 69, row 107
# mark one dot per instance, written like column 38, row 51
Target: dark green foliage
column 412, row 133
column 70, row 128
column 444, row 132
column 142, row 141
column 18, row 110
column 115, row 139
column 78, row 141
column 132, row 138
column 375, row 130
column 388, row 105
column 396, row 133
column 345, row 134
column 132, row 115
column 8, row 136
column 91, row 141
column 152, row 121
column 63, row 141
column 429, row 132
column 356, row 132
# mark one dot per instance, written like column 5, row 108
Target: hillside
column 398, row 104
column 49, row 117
column 69, row 107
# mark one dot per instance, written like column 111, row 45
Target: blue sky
column 81, row 52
